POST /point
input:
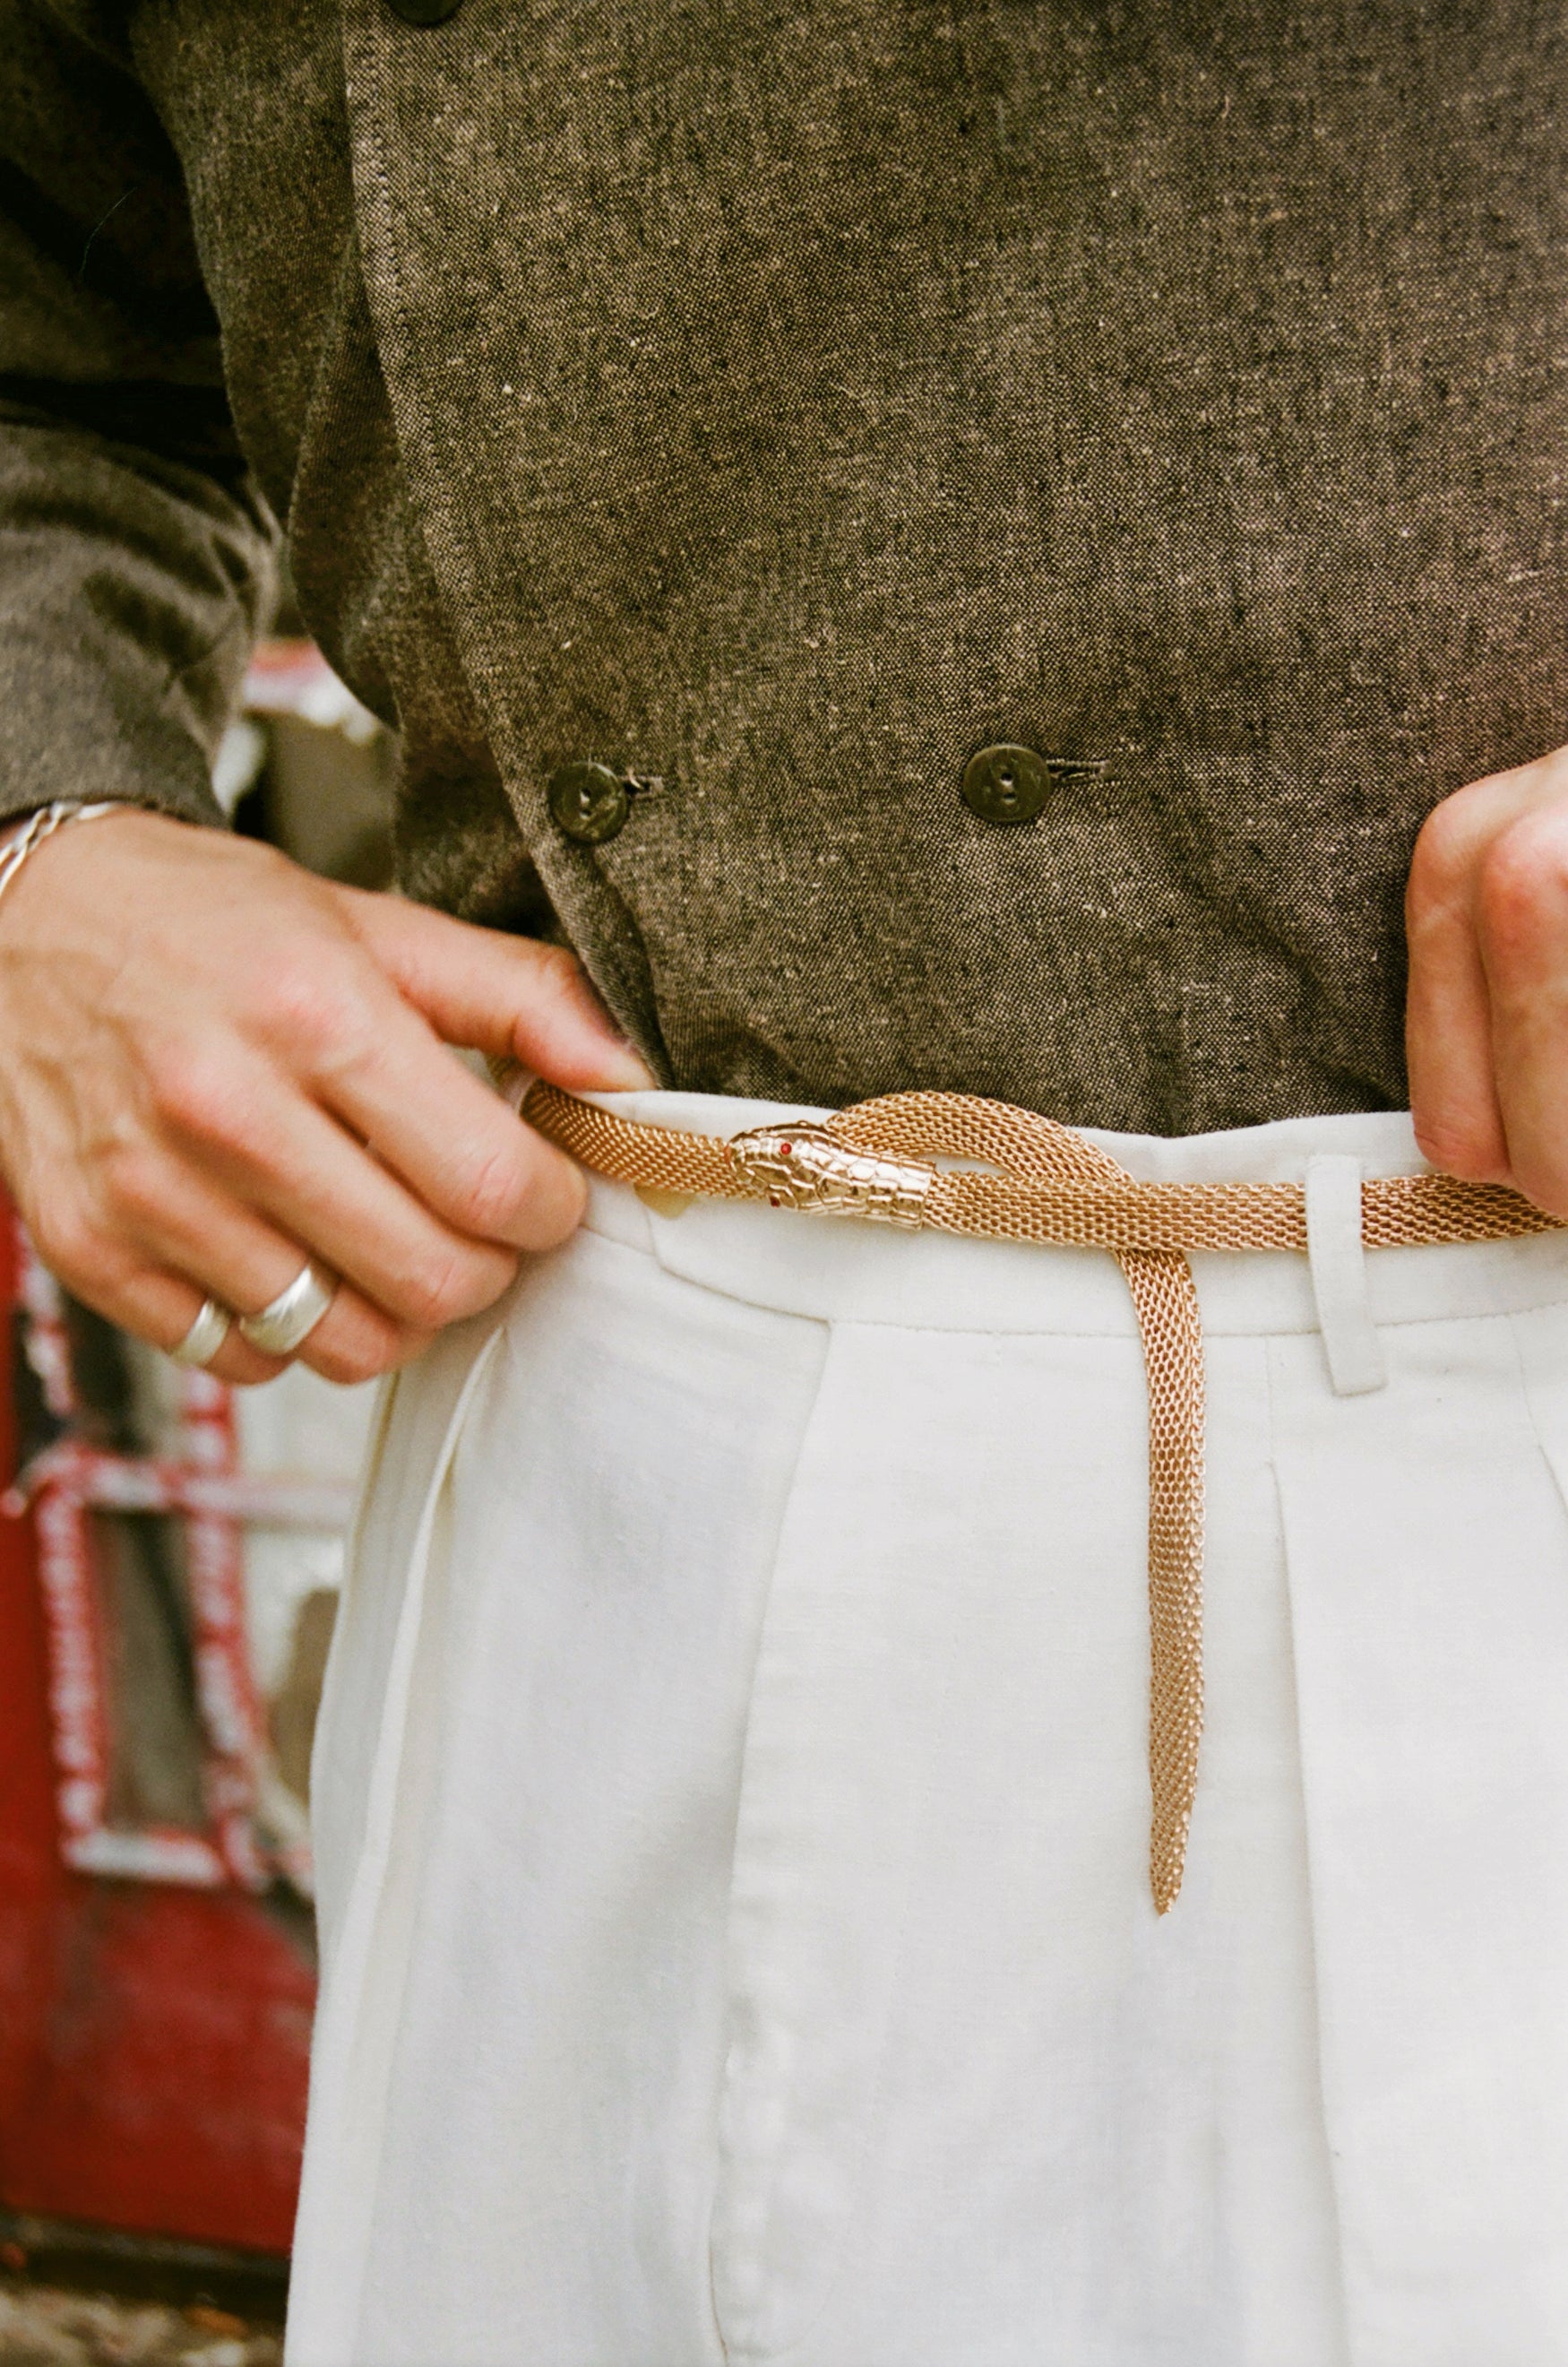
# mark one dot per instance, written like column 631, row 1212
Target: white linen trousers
column 732, row 1809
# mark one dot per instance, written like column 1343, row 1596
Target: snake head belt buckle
column 807, row 1167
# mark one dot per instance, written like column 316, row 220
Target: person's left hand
column 1486, row 1030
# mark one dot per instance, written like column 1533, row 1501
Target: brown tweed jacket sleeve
column 135, row 552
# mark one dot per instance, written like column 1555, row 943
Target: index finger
column 457, row 1145
column 512, row 997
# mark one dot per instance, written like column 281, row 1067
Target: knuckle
column 490, row 1192
column 1436, row 856
column 311, row 1009
column 197, row 1093
column 1457, row 1148
column 359, row 1344
column 350, row 1365
column 444, row 1288
column 558, row 1199
column 71, row 1245
column 131, row 1181
column 1447, row 845
column 556, row 968
column 433, row 1296
column 1520, row 880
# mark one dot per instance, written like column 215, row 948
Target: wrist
column 20, row 840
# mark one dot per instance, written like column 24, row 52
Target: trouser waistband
column 1048, row 1184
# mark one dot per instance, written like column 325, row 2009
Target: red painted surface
column 166, row 2088
column 153, row 2039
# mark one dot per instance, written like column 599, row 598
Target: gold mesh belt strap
column 872, row 1161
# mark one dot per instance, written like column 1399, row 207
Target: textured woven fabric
column 732, row 1805
column 783, row 403
column 1052, row 1173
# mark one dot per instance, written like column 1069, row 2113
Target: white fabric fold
column 1427, row 1552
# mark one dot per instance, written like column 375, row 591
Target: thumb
column 511, row 998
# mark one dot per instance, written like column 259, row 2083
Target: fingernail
column 617, row 1065
column 632, row 1073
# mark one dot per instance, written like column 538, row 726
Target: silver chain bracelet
column 42, row 825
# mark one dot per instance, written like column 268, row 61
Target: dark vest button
column 424, row 12
column 588, row 803
column 1006, row 784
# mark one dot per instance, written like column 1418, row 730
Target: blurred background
column 170, row 1555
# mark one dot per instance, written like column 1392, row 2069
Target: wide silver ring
column 293, row 1315
column 205, row 1335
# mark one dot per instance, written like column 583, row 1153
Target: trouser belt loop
column 1338, row 1258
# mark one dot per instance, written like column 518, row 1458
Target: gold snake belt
column 1049, row 1185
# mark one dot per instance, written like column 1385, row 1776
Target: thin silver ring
column 285, row 1326
column 205, row 1335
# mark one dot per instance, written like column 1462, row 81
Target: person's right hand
column 214, row 1065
